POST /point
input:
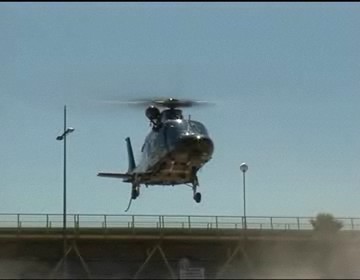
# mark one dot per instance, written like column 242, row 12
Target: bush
column 326, row 223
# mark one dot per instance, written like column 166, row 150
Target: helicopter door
column 173, row 132
column 154, row 146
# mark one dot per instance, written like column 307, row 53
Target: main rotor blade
column 162, row 102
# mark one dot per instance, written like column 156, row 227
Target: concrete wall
column 266, row 256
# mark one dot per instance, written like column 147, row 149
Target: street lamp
column 244, row 168
column 67, row 130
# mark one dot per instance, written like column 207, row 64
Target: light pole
column 67, row 130
column 244, row 168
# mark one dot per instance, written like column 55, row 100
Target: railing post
column 159, row 221
column 298, row 222
column 216, row 221
column 47, row 221
column 76, row 222
column 132, row 221
column 105, row 222
column 18, row 221
column 189, row 222
column 271, row 223
column 352, row 223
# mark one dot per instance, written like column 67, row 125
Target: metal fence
column 109, row 221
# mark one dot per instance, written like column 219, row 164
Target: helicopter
column 173, row 151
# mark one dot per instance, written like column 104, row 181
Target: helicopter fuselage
column 173, row 152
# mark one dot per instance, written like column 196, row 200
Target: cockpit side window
column 197, row 127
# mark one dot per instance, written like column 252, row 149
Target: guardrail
column 112, row 221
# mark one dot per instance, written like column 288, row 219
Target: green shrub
column 326, row 223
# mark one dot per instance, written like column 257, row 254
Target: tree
column 326, row 223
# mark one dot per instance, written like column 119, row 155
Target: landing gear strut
column 197, row 195
column 135, row 192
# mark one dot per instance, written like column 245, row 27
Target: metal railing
column 112, row 221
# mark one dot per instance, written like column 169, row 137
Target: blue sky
column 285, row 78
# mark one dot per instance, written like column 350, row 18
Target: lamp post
column 244, row 168
column 67, row 130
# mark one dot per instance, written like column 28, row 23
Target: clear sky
column 285, row 78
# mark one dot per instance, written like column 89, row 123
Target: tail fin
column 132, row 164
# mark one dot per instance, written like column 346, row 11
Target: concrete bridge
column 176, row 247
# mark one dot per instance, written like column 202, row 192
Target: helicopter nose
column 198, row 145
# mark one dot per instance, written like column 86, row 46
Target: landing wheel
column 197, row 197
column 134, row 193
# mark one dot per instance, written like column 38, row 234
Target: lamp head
column 244, row 167
column 70, row 129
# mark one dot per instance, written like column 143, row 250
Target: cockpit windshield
column 178, row 128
